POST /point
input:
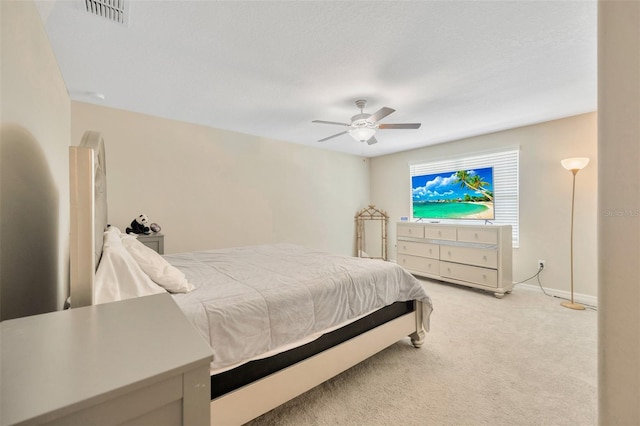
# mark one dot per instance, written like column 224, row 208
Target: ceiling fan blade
column 380, row 114
column 330, row 122
column 400, row 126
column 333, row 136
column 372, row 140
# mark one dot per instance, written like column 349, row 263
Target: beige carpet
column 522, row 360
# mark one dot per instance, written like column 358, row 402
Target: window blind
column 505, row 181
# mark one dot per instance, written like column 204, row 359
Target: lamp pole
column 574, row 165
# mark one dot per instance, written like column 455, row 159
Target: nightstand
column 154, row 241
column 137, row 361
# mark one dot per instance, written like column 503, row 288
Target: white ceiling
column 268, row 68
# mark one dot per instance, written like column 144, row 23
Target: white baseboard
column 585, row 299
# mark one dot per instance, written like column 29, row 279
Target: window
column 505, row 166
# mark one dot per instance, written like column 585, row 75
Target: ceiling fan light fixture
column 362, row 134
column 363, row 126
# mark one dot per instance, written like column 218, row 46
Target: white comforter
column 250, row 301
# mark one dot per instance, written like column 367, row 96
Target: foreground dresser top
column 75, row 358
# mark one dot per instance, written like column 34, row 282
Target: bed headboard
column 88, row 208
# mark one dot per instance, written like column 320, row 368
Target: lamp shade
column 575, row 163
column 362, row 134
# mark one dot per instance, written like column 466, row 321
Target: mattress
column 252, row 302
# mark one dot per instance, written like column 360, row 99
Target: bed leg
column 417, row 338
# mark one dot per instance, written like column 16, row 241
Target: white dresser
column 472, row 255
column 139, row 361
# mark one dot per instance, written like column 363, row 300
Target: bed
column 280, row 318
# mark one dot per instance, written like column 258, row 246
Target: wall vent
column 113, row 10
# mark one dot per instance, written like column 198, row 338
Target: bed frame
column 88, row 200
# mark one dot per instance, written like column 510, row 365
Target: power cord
column 537, row 277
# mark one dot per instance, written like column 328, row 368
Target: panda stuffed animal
column 139, row 225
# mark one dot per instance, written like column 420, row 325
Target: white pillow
column 118, row 276
column 156, row 267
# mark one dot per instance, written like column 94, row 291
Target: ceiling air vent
column 113, row 10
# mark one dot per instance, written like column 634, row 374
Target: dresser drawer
column 471, row 274
column 414, row 231
column 419, row 249
column 440, row 233
column 472, row 256
column 419, row 264
column 486, row 236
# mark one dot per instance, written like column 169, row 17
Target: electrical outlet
column 541, row 264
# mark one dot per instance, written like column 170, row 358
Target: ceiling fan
column 363, row 126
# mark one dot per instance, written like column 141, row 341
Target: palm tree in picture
column 473, row 181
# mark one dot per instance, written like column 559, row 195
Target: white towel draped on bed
column 249, row 301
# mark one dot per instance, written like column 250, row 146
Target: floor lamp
column 574, row 165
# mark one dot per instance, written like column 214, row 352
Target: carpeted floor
column 521, row 360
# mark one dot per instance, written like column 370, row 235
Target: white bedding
column 249, row 301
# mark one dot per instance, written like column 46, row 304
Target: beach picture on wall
column 461, row 194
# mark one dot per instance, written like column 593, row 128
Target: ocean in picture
column 448, row 210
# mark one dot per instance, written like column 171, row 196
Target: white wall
column 210, row 188
column 545, row 195
column 619, row 212
column 34, row 179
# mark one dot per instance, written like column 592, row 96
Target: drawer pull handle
column 476, row 235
